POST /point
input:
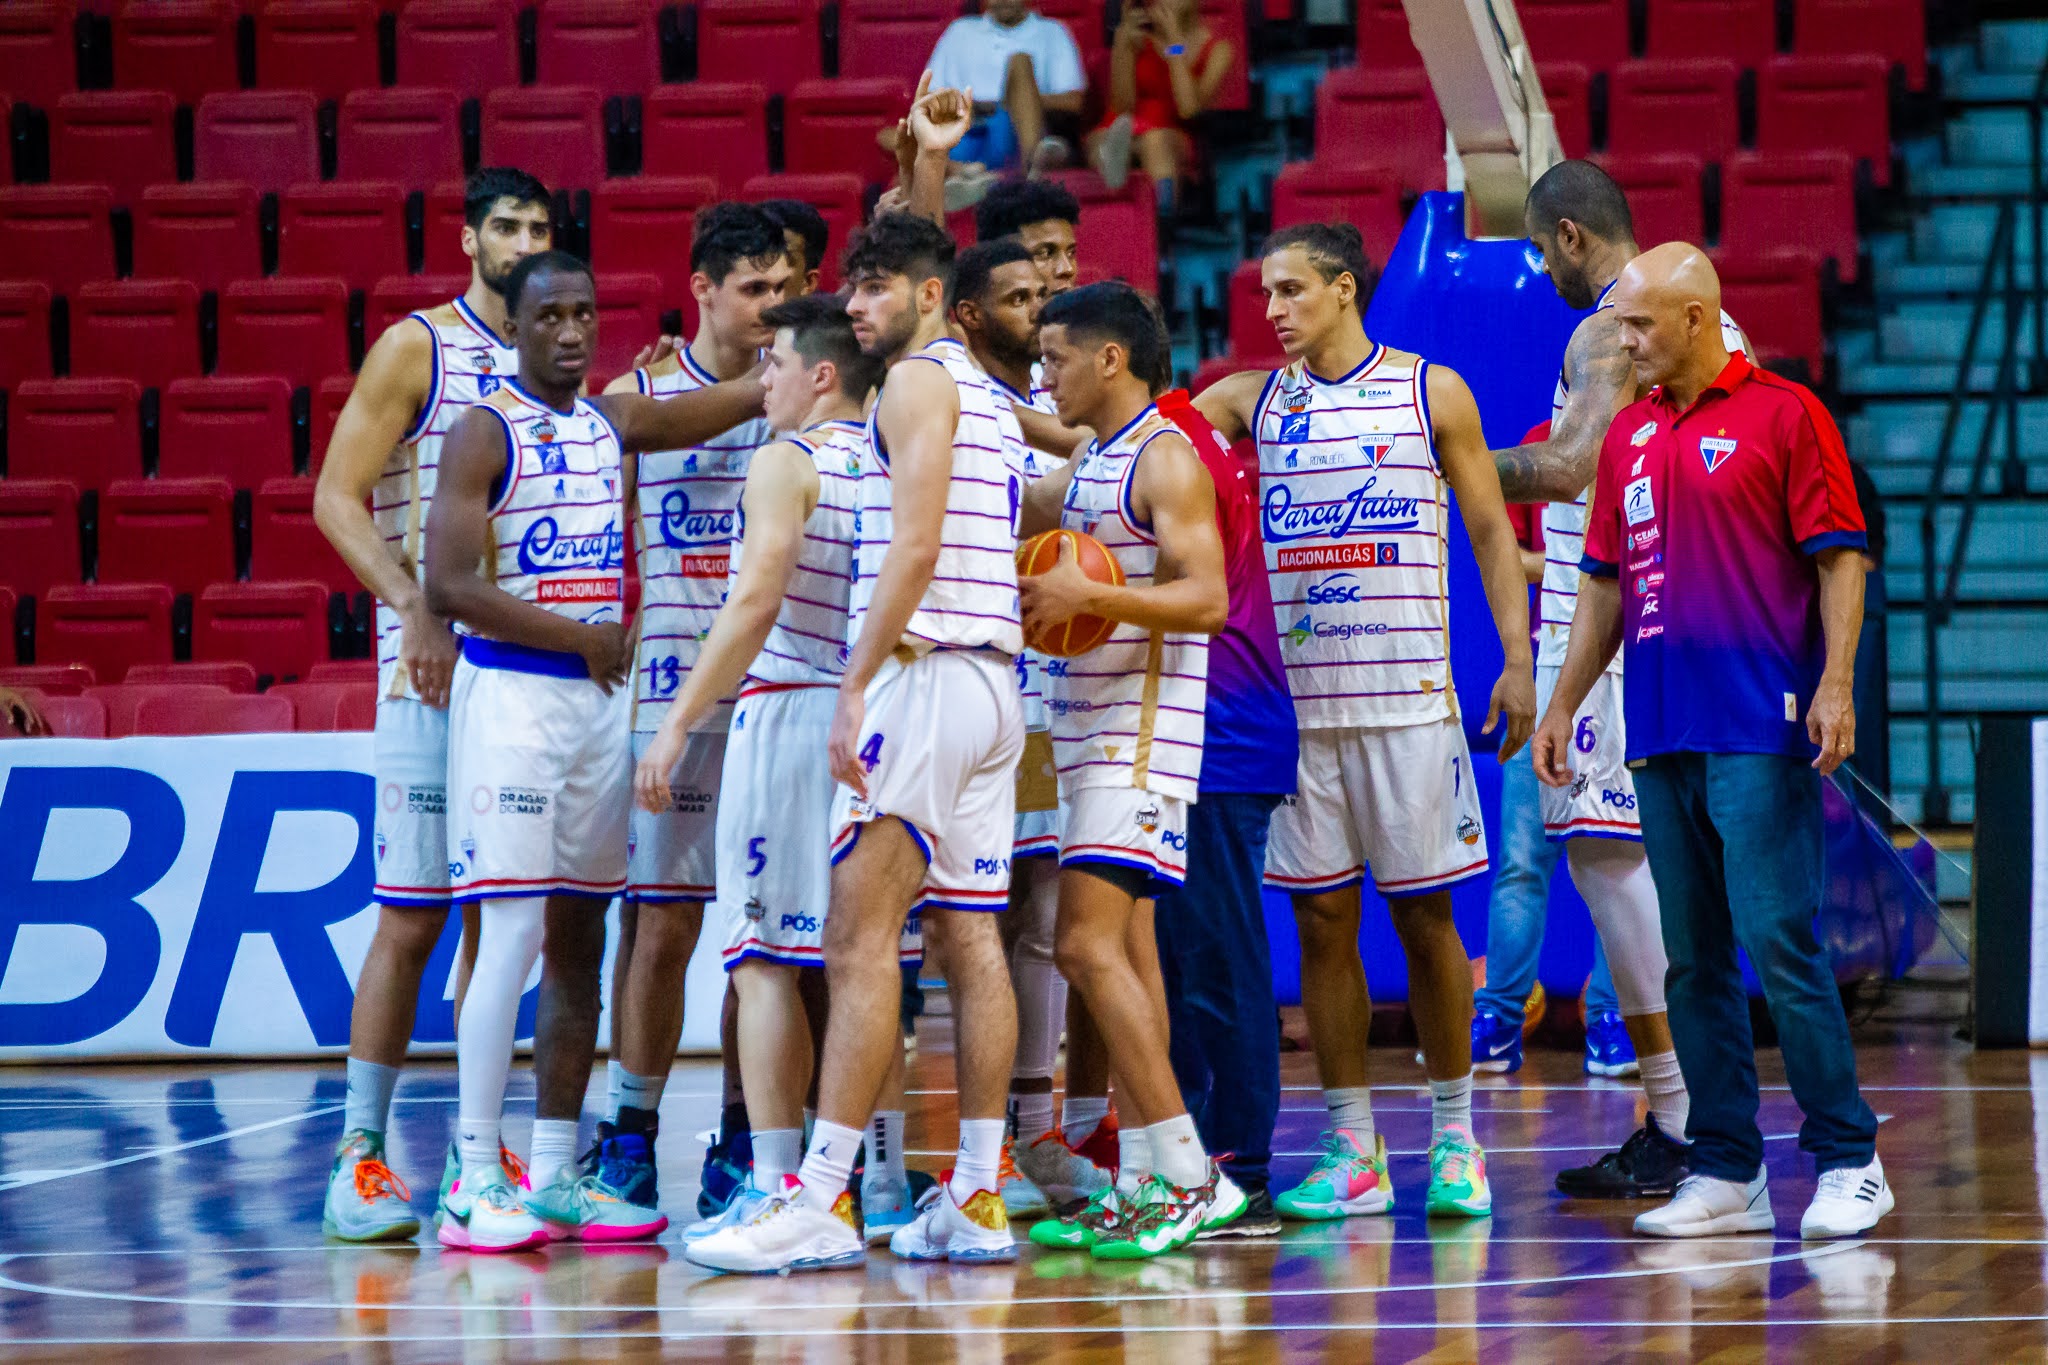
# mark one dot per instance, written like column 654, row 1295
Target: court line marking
column 45, row 1177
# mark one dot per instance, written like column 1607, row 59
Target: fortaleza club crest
column 1375, row 445
column 1715, row 450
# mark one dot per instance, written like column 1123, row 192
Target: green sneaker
column 1164, row 1218
column 1457, row 1176
column 1223, row 1203
column 1347, row 1180
column 1081, row 1229
column 586, row 1209
column 366, row 1202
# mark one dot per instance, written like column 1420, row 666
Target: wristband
column 1177, row 50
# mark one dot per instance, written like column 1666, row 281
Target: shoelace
column 614, row 1168
column 1840, row 1183
column 515, row 1169
column 375, row 1180
column 1341, row 1155
column 1006, row 1168
column 1459, row 1161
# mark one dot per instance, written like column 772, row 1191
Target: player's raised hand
column 842, row 746
column 654, row 352
column 1514, row 700
column 939, row 118
column 426, row 651
column 608, row 653
column 1550, row 749
column 651, row 775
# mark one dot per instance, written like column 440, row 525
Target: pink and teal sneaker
column 1457, row 1176
column 1347, row 1181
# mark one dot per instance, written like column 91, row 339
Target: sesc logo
column 1338, row 587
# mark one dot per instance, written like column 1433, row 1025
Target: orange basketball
column 1081, row 633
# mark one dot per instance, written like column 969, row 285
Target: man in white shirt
column 1017, row 66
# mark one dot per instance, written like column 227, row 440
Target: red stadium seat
column 468, row 46
column 1827, row 103
column 1565, row 90
column 774, row 42
column 206, row 714
column 1226, row 19
column 1245, row 309
column 281, row 628
column 341, row 670
column 118, row 138
column 147, row 330
column 837, row 197
column 229, row 675
column 85, row 431
column 358, row 709
column 330, row 396
column 555, row 133
column 59, row 234
column 24, row 331
column 9, row 601
column 395, row 296
column 1118, row 236
column 1791, row 199
column 295, row 328
column 39, row 526
column 266, row 138
column 324, row 706
column 1392, row 115
column 1591, row 32
column 236, row 429
column 411, row 136
column 209, row 234
column 714, row 128
column 284, row 542
column 890, row 38
column 38, row 59
column 123, row 699
column 326, row 46
column 73, row 717
column 444, row 223
column 52, row 680
column 354, row 230
column 175, row 531
column 610, row 44
column 1893, row 29
column 1744, row 31
column 106, row 627
column 1383, row 38
column 839, row 120
column 629, row 305
column 646, row 224
column 1663, row 196
column 184, row 46
column 1674, row 106
column 1318, row 192
column 1776, row 298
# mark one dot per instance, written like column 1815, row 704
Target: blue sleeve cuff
column 1854, row 540
column 1598, row 568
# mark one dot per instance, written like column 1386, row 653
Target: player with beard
column 375, row 488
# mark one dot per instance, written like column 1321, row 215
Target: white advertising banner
column 208, row 896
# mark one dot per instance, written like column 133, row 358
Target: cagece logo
column 1338, row 587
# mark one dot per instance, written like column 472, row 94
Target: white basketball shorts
column 1399, row 799
column 410, row 758
column 540, row 773
column 669, row 857
column 1601, row 801
column 1128, row 827
column 940, row 744
column 1038, row 832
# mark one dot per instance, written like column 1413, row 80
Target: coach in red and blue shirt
column 1723, row 558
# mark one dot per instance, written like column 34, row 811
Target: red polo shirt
column 1711, row 518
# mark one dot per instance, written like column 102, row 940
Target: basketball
column 1079, row 634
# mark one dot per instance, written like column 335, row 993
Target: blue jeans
column 1521, row 901
column 1734, row 842
column 1219, row 983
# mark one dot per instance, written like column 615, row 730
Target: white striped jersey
column 807, row 643
column 689, row 510
column 470, row 363
column 557, row 522
column 1037, row 464
column 1564, row 538
column 972, row 600
column 1353, row 508
column 1129, row 712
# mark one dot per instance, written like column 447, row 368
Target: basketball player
column 739, row 267
column 375, row 488
column 1127, row 730
column 925, row 741
column 1579, row 219
column 780, row 639
column 1359, row 449
column 809, row 237
column 532, row 489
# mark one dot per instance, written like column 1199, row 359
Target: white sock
column 369, row 1096
column 1032, row 1115
column 1666, row 1091
column 554, row 1146
column 507, row 947
column 828, row 1162
column 980, row 1155
column 1133, row 1158
column 638, row 1092
column 476, row 1147
column 1351, row 1108
column 885, row 1149
column 1081, row 1115
column 776, row 1154
column 614, row 1072
column 1450, row 1105
column 1177, row 1151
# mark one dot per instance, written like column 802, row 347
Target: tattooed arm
column 1601, row 382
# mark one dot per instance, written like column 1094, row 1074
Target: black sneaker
column 1648, row 1166
column 1257, row 1220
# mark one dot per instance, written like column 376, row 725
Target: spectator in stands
column 1019, row 68
column 1164, row 68
column 21, row 713
column 810, row 237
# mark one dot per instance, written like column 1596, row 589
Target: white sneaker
column 1849, row 1200
column 489, row 1215
column 1062, row 1174
column 945, row 1231
column 788, row 1234
column 744, row 1204
column 1705, row 1207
